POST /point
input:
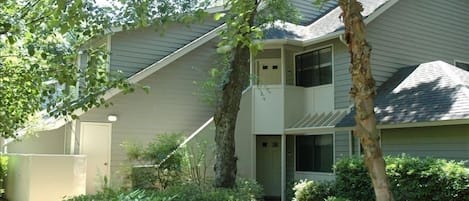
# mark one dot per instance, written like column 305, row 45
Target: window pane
column 325, row 56
column 314, row 68
column 314, row 153
column 326, row 75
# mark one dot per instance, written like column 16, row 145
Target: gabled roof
column 327, row 24
column 430, row 92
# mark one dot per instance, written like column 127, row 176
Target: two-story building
column 296, row 117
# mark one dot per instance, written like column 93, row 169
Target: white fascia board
column 326, row 37
column 425, row 124
column 413, row 124
column 380, row 10
column 273, row 42
column 310, row 130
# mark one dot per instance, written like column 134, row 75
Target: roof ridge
column 463, row 86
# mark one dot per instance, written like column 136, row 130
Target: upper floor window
column 314, row 68
column 461, row 64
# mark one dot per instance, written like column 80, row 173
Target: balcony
column 276, row 107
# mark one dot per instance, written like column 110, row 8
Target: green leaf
column 146, row 89
column 31, row 50
column 218, row 16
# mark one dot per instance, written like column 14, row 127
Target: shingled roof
column 429, row 92
column 328, row 22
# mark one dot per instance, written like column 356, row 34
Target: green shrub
column 427, row 179
column 3, row 173
column 313, row 191
column 160, row 162
column 352, row 180
column 332, row 198
column 244, row 191
column 411, row 178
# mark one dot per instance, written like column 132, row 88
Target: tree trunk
column 226, row 113
column 225, row 118
column 363, row 92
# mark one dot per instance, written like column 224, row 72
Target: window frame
column 331, row 45
column 315, row 172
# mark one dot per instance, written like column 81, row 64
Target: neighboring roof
column 317, row 122
column 327, row 24
column 430, row 92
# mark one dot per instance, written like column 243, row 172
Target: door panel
column 268, row 164
column 269, row 71
column 95, row 144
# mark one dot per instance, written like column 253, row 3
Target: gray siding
column 269, row 54
column 309, row 11
column 171, row 106
column 409, row 33
column 132, row 51
column 450, row 142
column 342, row 145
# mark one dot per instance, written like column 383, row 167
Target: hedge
column 411, row 179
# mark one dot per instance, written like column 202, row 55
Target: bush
column 428, row 179
column 332, row 198
column 3, row 173
column 313, row 191
column 352, row 180
column 244, row 191
column 411, row 178
column 160, row 162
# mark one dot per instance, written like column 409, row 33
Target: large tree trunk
column 227, row 108
column 363, row 92
column 225, row 118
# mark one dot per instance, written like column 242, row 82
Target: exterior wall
column 203, row 142
column 132, row 51
column 245, row 144
column 450, row 142
column 342, row 144
column 202, row 147
column 34, row 177
column 45, row 142
column 417, row 31
column 172, row 106
column 289, row 65
column 409, row 33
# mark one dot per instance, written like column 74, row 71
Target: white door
column 269, row 72
column 96, row 145
column 268, row 164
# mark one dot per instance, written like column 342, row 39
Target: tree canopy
column 40, row 42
